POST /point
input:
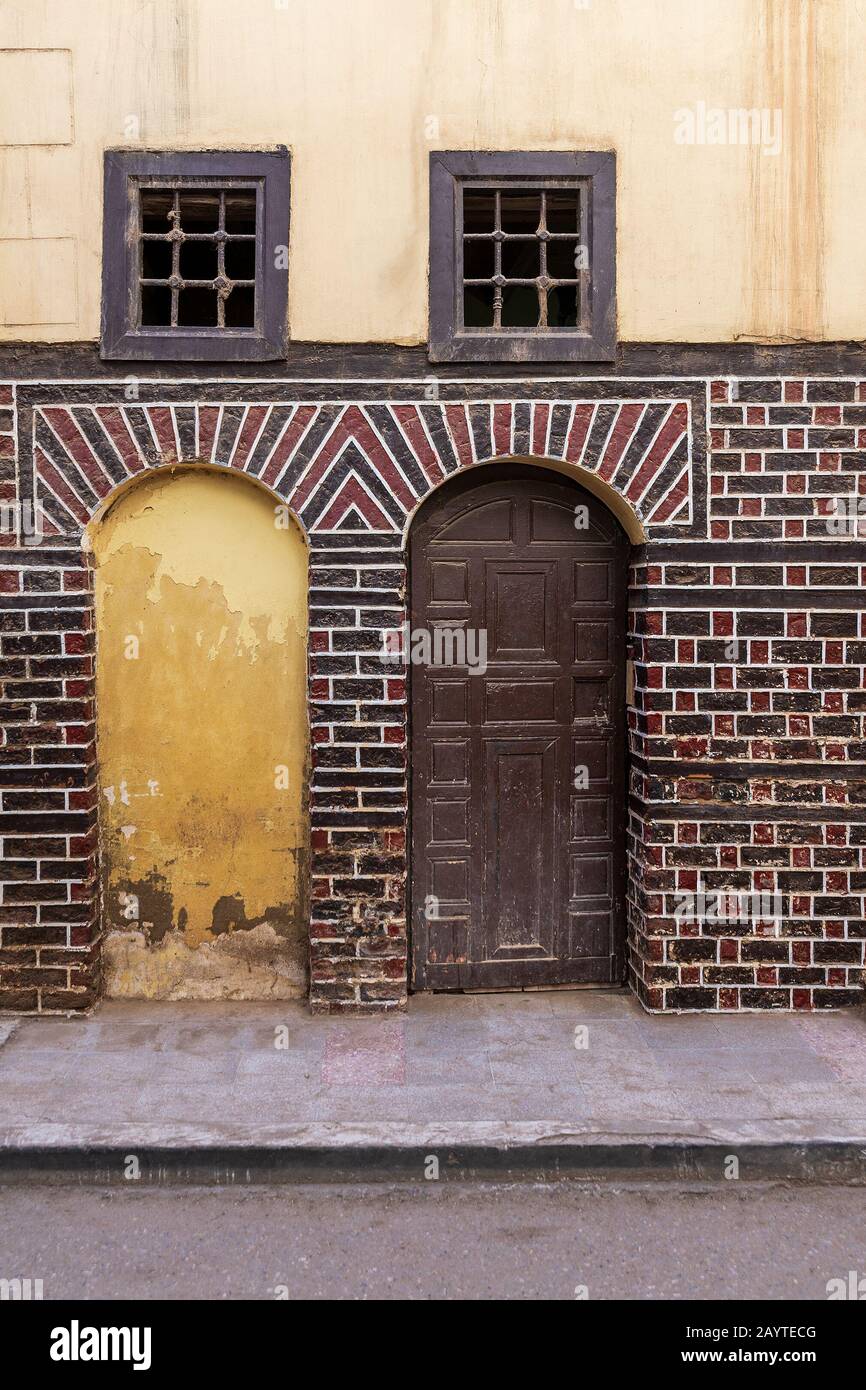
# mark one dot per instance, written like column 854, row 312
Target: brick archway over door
column 517, row 763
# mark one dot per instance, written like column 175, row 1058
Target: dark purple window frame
column 453, row 170
column 125, row 171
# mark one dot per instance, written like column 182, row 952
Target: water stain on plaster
column 201, row 601
column 793, row 75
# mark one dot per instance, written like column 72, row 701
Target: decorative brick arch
column 348, row 466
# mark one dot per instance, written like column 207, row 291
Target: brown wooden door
column 518, row 796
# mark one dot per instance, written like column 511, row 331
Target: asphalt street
column 437, row 1240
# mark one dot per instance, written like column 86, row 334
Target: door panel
column 517, row 920
column 518, row 796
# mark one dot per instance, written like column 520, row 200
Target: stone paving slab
column 495, row 1070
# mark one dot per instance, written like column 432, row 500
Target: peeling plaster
column 254, row 964
column 204, row 843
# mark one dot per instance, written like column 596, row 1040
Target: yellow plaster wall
column 201, row 608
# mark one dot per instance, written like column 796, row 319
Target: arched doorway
column 518, row 733
column 202, row 738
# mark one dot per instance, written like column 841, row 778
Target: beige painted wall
column 716, row 242
column 202, row 738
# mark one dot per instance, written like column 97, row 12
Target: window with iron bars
column 195, row 253
column 522, row 256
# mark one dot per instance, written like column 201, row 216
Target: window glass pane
column 156, row 260
column 520, row 306
column 562, row 307
column 561, row 263
column 241, row 211
column 199, row 211
column 156, row 204
column 521, row 212
column 479, row 259
column 155, row 305
column 478, row 306
column 240, row 307
column 521, row 260
column 479, row 210
column 562, row 210
column 240, row 260
column 197, row 308
column 198, row 260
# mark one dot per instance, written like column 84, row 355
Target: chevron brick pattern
column 346, row 466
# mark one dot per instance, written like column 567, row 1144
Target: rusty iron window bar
column 195, row 255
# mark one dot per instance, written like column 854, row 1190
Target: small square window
column 522, row 256
column 195, row 256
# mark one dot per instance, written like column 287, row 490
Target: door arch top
column 615, row 502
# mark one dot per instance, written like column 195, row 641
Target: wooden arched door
column 518, row 763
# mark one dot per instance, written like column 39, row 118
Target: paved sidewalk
column 452, row 1059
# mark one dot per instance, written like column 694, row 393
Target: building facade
column 434, row 516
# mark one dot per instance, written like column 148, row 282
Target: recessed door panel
column 521, row 611
column 518, row 794
column 449, row 823
column 519, row 702
column 449, row 701
column 449, row 762
column 594, row 581
column 520, row 775
column 449, row 581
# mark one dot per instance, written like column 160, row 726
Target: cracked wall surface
column 200, row 591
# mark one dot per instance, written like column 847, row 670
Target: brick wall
column 748, row 725
column 49, row 930
column 358, row 954
column 748, row 770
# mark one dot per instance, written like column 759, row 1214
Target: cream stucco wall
column 715, row 242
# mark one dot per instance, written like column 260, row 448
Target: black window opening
column 195, row 255
column 522, row 256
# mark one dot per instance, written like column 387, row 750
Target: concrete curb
column 399, row 1153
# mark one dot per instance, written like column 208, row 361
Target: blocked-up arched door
column 518, row 761
column 201, row 610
